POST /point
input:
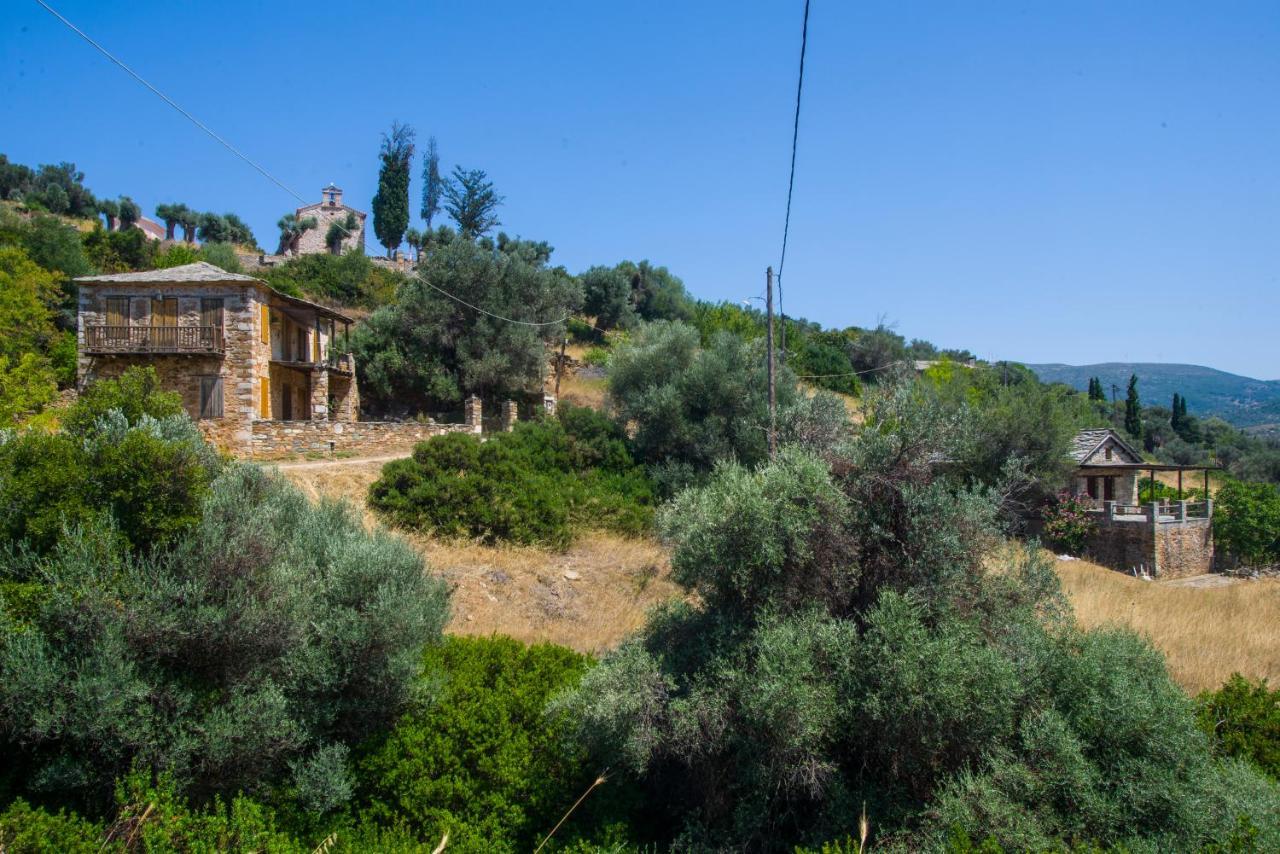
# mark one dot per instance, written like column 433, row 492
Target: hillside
column 1244, row 401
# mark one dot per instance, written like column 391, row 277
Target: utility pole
column 560, row 366
column 773, row 395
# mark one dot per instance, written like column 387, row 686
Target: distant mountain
column 1243, row 401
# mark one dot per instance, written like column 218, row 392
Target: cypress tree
column 391, row 204
column 1133, row 409
column 1175, row 420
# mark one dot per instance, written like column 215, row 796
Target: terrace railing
column 154, row 339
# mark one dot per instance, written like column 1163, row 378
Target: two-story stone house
column 238, row 351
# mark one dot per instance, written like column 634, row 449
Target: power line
column 273, row 179
column 791, row 180
column 136, row 76
column 851, row 373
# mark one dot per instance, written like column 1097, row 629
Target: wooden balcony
column 128, row 340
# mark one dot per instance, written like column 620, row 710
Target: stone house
column 263, row 374
column 1166, row 538
column 237, row 351
column 1105, row 467
column 327, row 211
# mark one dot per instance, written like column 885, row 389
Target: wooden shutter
column 264, row 407
column 266, row 325
column 211, row 397
column 315, row 343
column 211, row 312
column 117, row 311
column 164, row 311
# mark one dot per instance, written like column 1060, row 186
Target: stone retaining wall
column 273, row 440
column 1164, row 550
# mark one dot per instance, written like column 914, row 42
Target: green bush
column 1242, row 718
column 537, row 484
column 247, row 654
column 349, row 279
column 846, row 642
column 126, row 453
column 1246, row 521
column 478, row 758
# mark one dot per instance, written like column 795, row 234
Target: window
column 211, row 313
column 164, row 311
column 1108, row 452
column 117, row 311
column 211, row 397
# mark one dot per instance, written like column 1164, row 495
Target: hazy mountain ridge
column 1244, row 401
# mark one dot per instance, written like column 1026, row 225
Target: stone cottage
column 264, row 374
column 1169, row 537
column 327, row 211
column 237, row 350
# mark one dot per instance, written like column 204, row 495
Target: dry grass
column 589, row 597
column 1206, row 632
column 583, row 391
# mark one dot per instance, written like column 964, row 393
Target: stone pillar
column 473, row 412
column 1208, row 507
column 510, row 415
column 1110, row 510
column 320, row 395
column 1182, row 510
column 549, row 404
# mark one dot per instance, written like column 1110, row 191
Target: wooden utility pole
column 560, row 366
column 773, row 395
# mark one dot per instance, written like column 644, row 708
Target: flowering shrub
column 1067, row 525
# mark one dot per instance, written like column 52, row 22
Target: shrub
column 845, row 642
column 126, row 454
column 692, row 407
column 478, row 758
column 1242, row 718
column 1246, row 521
column 237, row 658
column 533, row 485
column 1067, row 525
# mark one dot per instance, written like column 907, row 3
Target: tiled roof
column 1087, row 441
column 200, row 271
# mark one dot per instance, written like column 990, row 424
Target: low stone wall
column 1125, row 547
column 273, row 440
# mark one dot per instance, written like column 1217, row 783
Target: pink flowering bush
column 1067, row 524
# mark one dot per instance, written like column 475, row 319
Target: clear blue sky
column 1075, row 182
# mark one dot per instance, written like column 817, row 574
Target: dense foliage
column 1246, row 521
column 477, row 758
column 693, row 406
column 849, row 644
column 350, row 279
column 126, row 454
column 1068, row 525
column 427, row 350
column 1242, row 718
column 252, row 651
column 537, row 484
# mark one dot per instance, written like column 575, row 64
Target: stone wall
column 1162, row 550
column 1184, row 548
column 273, row 440
column 1126, row 547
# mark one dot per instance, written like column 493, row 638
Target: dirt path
column 293, row 465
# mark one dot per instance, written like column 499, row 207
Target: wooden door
column 1108, row 489
column 286, row 403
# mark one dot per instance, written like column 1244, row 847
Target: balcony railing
column 154, row 339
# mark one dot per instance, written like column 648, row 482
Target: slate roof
column 1087, row 441
column 203, row 271
column 200, row 271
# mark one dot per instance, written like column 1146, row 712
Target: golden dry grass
column 1206, row 632
column 583, row 391
column 588, row 597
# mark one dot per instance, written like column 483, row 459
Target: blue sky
column 1075, row 182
